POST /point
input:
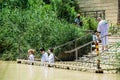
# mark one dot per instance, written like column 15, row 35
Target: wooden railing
column 73, row 44
column 80, row 47
column 95, row 14
column 91, row 61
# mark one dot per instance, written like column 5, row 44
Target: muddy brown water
column 14, row 71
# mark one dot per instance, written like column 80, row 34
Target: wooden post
column 97, row 48
column 99, row 69
column 91, row 48
column 76, row 55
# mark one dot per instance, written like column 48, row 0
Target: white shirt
column 31, row 57
column 94, row 37
column 103, row 28
column 51, row 58
column 44, row 57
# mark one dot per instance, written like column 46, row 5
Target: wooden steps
column 110, row 7
column 77, row 66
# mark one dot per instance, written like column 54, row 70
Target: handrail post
column 91, row 48
column 76, row 55
column 75, row 43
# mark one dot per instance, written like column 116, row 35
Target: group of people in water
column 45, row 58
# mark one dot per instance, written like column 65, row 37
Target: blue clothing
column 94, row 37
column 77, row 21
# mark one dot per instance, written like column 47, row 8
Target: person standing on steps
column 78, row 20
column 103, row 30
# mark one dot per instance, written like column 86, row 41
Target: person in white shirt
column 103, row 29
column 31, row 55
column 44, row 57
column 51, row 57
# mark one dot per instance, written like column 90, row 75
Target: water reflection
column 47, row 73
column 31, row 72
column 99, row 77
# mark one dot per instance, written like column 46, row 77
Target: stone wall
column 118, row 11
column 110, row 7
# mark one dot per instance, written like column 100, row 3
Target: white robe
column 103, row 28
column 44, row 57
column 51, row 59
column 31, row 57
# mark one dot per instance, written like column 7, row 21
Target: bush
column 65, row 9
column 34, row 26
column 89, row 23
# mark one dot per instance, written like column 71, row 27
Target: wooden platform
column 61, row 65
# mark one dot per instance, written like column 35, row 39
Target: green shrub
column 33, row 27
column 89, row 23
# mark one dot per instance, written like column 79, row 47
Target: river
column 14, row 71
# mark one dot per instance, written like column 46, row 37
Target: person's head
column 78, row 15
column 42, row 50
column 50, row 50
column 94, row 32
column 31, row 51
column 99, row 19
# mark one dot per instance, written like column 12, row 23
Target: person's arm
column 51, row 57
column 98, row 28
column 46, row 57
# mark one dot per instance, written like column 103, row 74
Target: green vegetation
column 33, row 24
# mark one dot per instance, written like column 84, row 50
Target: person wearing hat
column 31, row 55
column 78, row 20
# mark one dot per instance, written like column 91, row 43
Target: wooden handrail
column 71, row 41
column 83, row 45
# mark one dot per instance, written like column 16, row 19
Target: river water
column 14, row 71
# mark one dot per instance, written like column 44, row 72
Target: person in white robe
column 44, row 57
column 103, row 28
column 31, row 55
column 51, row 57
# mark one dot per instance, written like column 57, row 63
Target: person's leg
column 106, row 47
column 102, row 47
column 106, row 43
column 103, row 43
